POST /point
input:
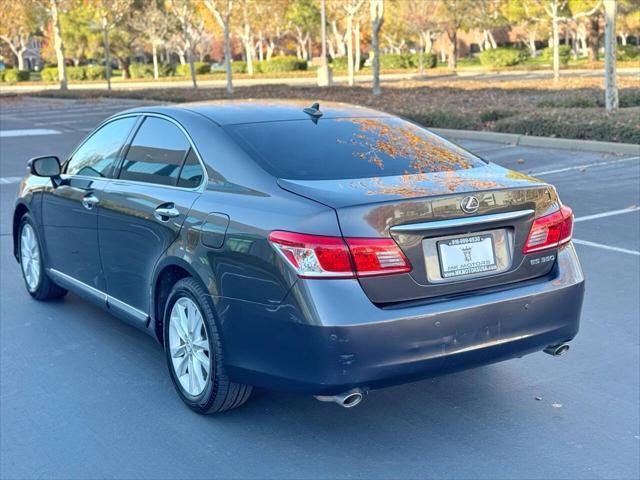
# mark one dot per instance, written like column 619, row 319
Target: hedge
column 280, row 64
column 50, row 74
column 565, row 54
column 628, row 52
column 96, row 72
column 340, row 63
column 14, row 75
column 429, row 60
column 503, row 57
column 238, row 67
column 1, row 75
column 141, row 70
column 201, row 68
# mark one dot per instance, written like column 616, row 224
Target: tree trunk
column 623, row 38
column 594, row 37
column 20, row 56
column 491, row 39
column 352, row 80
column 357, row 45
column 227, row 56
column 154, row 52
column 555, row 26
column 453, row 49
column 531, row 38
column 107, row 58
column 270, row 48
column 377, row 11
column 611, row 89
column 58, row 45
column 247, row 41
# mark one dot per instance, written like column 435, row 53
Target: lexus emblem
column 469, row 204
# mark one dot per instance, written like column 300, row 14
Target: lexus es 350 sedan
column 324, row 249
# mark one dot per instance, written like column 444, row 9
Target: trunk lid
column 423, row 211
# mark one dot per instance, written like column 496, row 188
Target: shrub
column 1, row 75
column 340, row 63
column 444, row 120
column 573, row 101
column 141, row 70
column 503, row 57
column 239, row 67
column 166, row 70
column 494, row 115
column 49, row 74
column 565, row 54
column 201, row 68
column 628, row 52
column 96, row 72
column 280, row 64
column 14, row 75
column 74, row 73
column 393, row 61
column 429, row 60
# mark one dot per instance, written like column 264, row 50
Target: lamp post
column 324, row 70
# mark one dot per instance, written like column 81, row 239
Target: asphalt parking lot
column 83, row 395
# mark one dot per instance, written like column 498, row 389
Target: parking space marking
column 580, row 167
column 8, row 180
column 606, row 247
column 28, row 132
column 606, row 214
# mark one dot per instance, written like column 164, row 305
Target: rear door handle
column 165, row 212
column 89, row 201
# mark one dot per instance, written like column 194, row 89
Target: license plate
column 467, row 255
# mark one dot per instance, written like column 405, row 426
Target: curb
column 544, row 142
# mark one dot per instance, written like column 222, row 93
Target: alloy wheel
column 189, row 346
column 30, row 257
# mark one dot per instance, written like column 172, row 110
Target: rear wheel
column 35, row 278
column 194, row 351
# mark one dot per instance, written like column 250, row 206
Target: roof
column 230, row 112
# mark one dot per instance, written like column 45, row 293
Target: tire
column 31, row 261
column 207, row 392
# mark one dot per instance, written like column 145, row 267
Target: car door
column 143, row 210
column 69, row 211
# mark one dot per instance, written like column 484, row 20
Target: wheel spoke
column 176, row 324
column 181, row 368
column 197, row 371
column 178, row 352
column 202, row 358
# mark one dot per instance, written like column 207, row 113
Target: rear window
column 348, row 148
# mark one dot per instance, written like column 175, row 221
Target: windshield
column 332, row 149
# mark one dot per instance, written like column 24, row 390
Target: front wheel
column 194, row 351
column 38, row 284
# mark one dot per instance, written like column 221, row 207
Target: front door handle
column 165, row 212
column 89, row 201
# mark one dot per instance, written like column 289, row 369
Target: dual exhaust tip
column 347, row 399
column 352, row 398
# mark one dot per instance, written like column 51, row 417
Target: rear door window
column 156, row 154
column 348, row 148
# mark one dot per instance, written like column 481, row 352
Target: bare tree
column 185, row 13
column 221, row 10
column 245, row 33
column 154, row 23
column 58, row 45
column 611, row 89
column 377, row 18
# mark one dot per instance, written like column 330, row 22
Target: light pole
column 324, row 70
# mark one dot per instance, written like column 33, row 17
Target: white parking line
column 7, row 180
column 580, row 167
column 606, row 247
column 28, row 132
column 606, row 214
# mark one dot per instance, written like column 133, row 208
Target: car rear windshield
column 348, row 148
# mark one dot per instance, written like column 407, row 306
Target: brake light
column 313, row 256
column 550, row 231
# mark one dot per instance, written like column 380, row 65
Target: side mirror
column 46, row 167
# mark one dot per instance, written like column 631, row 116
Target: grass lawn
column 570, row 109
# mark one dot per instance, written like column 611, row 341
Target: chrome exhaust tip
column 347, row 399
column 557, row 350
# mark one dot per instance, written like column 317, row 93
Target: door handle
column 89, row 201
column 165, row 212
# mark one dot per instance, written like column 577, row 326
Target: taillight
column 313, row 256
column 550, row 231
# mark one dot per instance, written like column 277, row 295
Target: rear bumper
column 327, row 337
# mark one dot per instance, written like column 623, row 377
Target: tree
column 21, row 19
column 247, row 9
column 529, row 16
column 377, row 19
column 153, row 23
column 611, row 89
column 628, row 20
column 109, row 14
column 454, row 16
column 221, row 10
column 303, row 16
column 58, row 43
column 187, row 16
column 351, row 8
